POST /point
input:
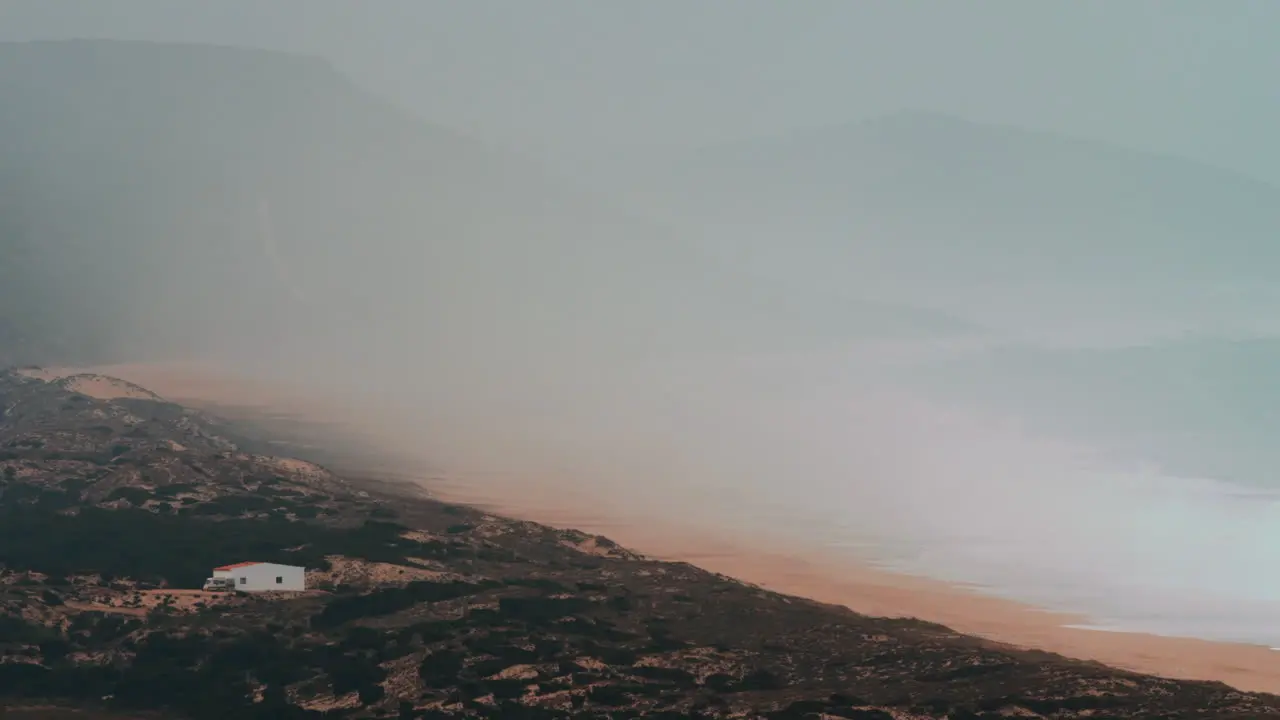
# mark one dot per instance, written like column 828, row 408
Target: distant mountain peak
column 919, row 116
column 69, row 47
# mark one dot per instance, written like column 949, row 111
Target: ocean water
column 1136, row 551
column 975, row 495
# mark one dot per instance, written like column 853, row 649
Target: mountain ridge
column 961, row 214
column 149, row 179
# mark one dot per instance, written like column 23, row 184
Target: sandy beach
column 744, row 553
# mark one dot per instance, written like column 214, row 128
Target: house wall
column 262, row 577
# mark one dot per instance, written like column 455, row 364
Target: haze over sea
column 1005, row 500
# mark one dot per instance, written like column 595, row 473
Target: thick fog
column 999, row 340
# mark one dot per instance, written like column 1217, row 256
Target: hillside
column 114, row 506
column 156, row 177
column 171, row 198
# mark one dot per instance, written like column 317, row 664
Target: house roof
column 233, row 566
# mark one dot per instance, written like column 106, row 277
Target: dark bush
column 719, row 682
column 547, row 585
column 505, row 689
column 760, row 680
column 613, row 695
column 612, row 655
column 172, row 491
column 54, row 651
column 440, row 669
column 386, row 601
column 350, row 672
column 370, row 694
column 134, row 495
column 428, row 632
column 547, row 648
column 541, row 609
column 236, row 505
column 14, row 629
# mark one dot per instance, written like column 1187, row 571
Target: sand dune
column 94, row 385
column 750, row 554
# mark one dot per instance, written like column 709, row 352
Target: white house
column 261, row 577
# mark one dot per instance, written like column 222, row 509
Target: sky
column 568, row 78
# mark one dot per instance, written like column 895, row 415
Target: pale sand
column 747, row 554
column 93, row 385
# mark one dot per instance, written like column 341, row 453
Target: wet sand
column 367, row 445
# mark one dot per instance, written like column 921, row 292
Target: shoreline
column 785, row 566
column 811, row 573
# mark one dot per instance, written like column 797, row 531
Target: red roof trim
column 233, row 566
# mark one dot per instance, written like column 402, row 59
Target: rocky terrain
column 114, row 506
